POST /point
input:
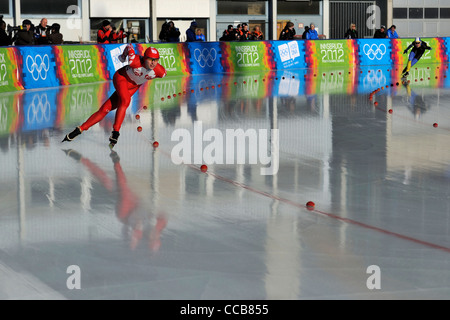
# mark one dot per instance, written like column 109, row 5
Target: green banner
column 171, row 57
column 430, row 56
column 332, row 52
column 8, row 71
column 248, row 56
column 81, row 64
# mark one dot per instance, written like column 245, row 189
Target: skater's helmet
column 418, row 40
column 151, row 53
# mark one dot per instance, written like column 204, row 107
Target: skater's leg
column 124, row 90
column 125, row 99
column 107, row 106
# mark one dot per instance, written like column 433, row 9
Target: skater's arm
column 160, row 71
column 409, row 47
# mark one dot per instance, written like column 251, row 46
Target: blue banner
column 373, row 52
column 38, row 67
column 39, row 109
column 112, row 53
column 204, row 57
column 289, row 54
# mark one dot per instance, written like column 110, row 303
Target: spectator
column 312, row 33
column 199, row 35
column 164, row 31
column 173, row 33
column 41, row 32
column 257, row 34
column 5, row 39
column 190, row 33
column 288, row 32
column 24, row 36
column 229, row 35
column 118, row 36
column 239, row 33
column 381, row 33
column 305, row 32
column 104, row 33
column 55, row 37
column 392, row 34
column 351, row 33
column 245, row 33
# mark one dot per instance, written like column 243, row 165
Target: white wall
column 120, row 8
column 182, row 8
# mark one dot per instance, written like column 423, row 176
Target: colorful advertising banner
column 81, row 64
column 247, row 56
column 436, row 55
column 374, row 52
column 289, row 54
column 111, row 53
column 38, row 67
column 204, row 57
column 9, row 70
column 171, row 56
column 331, row 53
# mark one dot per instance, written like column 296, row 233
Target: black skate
column 73, row 154
column 113, row 138
column 72, row 135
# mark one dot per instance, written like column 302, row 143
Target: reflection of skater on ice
column 137, row 224
column 415, row 102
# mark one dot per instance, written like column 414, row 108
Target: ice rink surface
column 78, row 221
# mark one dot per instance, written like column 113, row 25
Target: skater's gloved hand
column 405, row 52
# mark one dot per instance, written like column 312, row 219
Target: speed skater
column 127, row 80
column 418, row 49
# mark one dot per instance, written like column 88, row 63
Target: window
column 415, row 13
column 4, row 7
column 445, row 13
column 400, row 13
column 303, row 7
column 241, row 7
column 431, row 13
column 47, row 7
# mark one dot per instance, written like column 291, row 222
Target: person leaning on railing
column 5, row 38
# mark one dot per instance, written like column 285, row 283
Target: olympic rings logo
column 205, row 57
column 374, row 79
column 38, row 66
column 374, row 52
column 39, row 109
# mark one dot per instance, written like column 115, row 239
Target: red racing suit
column 127, row 81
